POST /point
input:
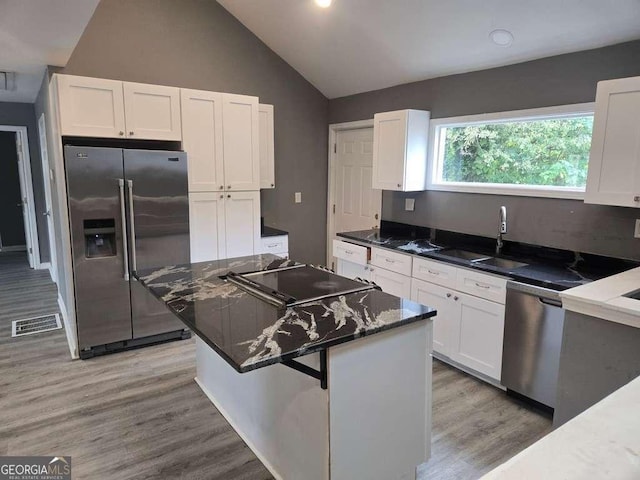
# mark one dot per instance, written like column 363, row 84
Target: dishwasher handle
column 550, row 301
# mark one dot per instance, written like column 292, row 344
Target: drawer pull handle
column 348, row 252
column 432, row 272
column 482, row 286
column 448, row 295
column 273, row 245
column 388, row 260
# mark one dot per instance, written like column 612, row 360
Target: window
column 541, row 152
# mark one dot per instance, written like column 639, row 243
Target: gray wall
column 23, row 115
column 197, row 44
column 559, row 80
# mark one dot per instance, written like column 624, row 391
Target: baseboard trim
column 71, row 340
column 249, row 444
column 45, row 266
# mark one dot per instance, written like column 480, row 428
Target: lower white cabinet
column 469, row 330
column 391, row 282
column 352, row 270
column 224, row 225
column 276, row 245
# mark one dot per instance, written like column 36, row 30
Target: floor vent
column 29, row 326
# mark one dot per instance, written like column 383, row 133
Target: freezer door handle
column 132, row 227
column 125, row 247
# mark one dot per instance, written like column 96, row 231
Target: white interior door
column 24, row 178
column 357, row 204
column 47, row 178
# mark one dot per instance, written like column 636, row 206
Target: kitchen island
column 336, row 387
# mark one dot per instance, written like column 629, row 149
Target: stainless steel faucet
column 502, row 229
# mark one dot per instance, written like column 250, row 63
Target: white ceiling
column 360, row 45
column 37, row 33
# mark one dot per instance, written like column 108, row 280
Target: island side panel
column 380, row 404
column 281, row 414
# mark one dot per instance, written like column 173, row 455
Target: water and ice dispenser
column 100, row 238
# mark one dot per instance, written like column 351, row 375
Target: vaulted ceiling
column 34, row 34
column 360, row 45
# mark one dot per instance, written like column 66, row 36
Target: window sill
column 515, row 190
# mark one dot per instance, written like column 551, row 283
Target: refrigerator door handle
column 132, row 227
column 125, row 247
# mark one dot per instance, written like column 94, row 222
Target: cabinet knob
column 399, row 185
column 221, row 187
column 448, row 295
column 121, row 133
column 130, row 133
column 272, row 185
column 221, row 196
column 228, row 187
column 636, row 198
column 456, row 298
column 228, row 196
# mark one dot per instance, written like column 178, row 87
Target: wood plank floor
column 139, row 414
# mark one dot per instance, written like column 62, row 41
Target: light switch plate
column 636, row 232
column 298, row 197
column 409, row 204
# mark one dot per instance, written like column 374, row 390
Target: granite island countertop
column 549, row 268
column 250, row 333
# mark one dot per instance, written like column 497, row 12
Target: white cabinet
column 90, row 107
column 468, row 328
column 276, row 245
column 478, row 335
column 206, row 226
column 202, row 139
column 242, row 223
column 96, row 107
column 240, row 136
column 352, row 270
column 614, row 163
column 152, row 112
column 396, row 262
column 400, row 150
column 267, row 160
column 391, row 282
column 442, row 300
column 224, row 225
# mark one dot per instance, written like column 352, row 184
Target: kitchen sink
column 464, row 255
column 502, row 263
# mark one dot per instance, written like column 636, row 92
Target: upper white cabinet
column 152, row 112
column 400, row 150
column 240, row 136
column 95, row 107
column 614, row 164
column 90, row 107
column 202, row 139
column 220, row 134
column 267, row 162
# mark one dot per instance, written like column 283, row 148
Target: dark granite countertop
column 546, row 267
column 250, row 333
column 271, row 231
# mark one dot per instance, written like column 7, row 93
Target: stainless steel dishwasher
column 534, row 320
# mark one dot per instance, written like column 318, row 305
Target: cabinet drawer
column 391, row 282
column 482, row 285
column 434, row 272
column 396, row 262
column 350, row 252
column 275, row 245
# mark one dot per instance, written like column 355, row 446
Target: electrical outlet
column 409, row 204
column 298, row 197
column 636, row 232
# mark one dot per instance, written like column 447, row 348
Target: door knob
column 47, row 213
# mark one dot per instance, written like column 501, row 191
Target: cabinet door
column 90, row 107
column 241, row 142
column 242, row 223
column 478, row 335
column 267, row 162
column 202, row 139
column 152, row 112
column 389, row 143
column 207, row 226
column 391, row 282
column 442, row 300
column 614, row 163
column 352, row 270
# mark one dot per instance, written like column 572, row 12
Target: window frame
column 435, row 153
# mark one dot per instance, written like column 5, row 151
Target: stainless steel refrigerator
column 128, row 210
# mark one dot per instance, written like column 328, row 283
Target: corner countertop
column 546, row 267
column 271, row 232
column 600, row 443
column 250, row 333
column 605, row 298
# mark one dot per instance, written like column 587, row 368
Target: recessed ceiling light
column 501, row 37
column 323, row 3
